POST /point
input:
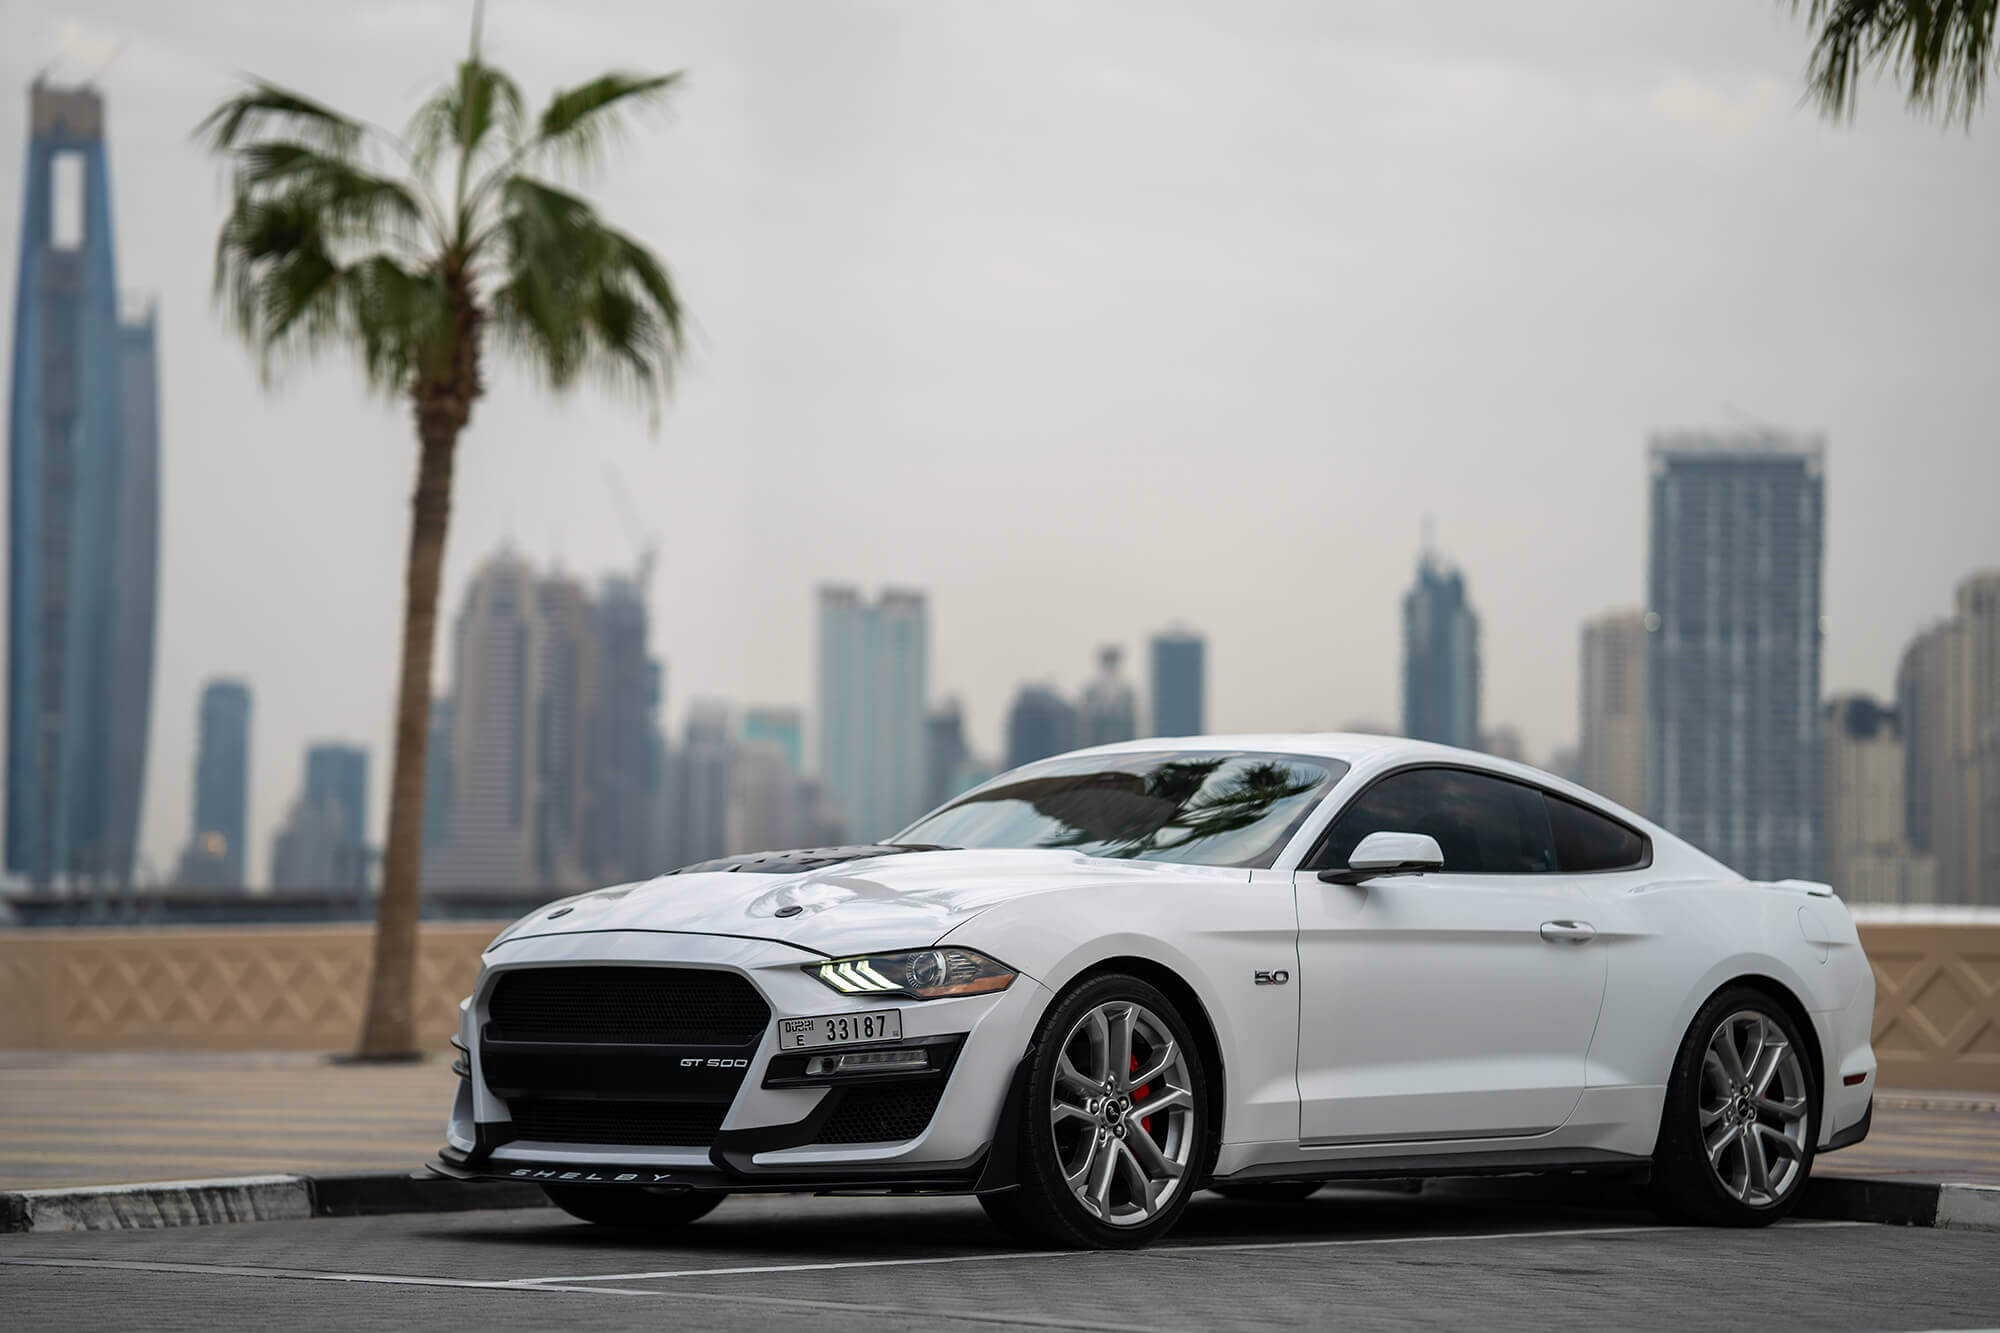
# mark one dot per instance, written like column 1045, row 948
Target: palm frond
column 580, row 297
column 1941, row 51
column 580, row 123
column 263, row 107
column 461, row 114
column 354, row 202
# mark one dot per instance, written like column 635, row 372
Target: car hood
column 906, row 900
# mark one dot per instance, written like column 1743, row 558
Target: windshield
column 1209, row 808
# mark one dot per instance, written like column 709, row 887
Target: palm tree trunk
column 389, row 1031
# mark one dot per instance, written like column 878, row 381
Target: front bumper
column 770, row 1137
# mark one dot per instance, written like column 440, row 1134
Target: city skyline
column 1567, row 345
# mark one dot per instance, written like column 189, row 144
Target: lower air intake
column 882, row 1114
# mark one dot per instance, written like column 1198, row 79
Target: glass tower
column 1733, row 663
column 1179, row 670
column 1440, row 659
column 82, row 521
column 873, row 664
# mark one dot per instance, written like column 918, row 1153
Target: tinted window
column 1586, row 840
column 1484, row 825
column 1197, row 808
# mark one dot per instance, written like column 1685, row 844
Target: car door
column 1457, row 1004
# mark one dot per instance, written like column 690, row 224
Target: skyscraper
column 1040, row 723
column 1611, row 755
column 1110, row 713
column 82, row 516
column 214, row 857
column 945, row 753
column 1179, row 683
column 1733, row 669
column 493, row 763
column 1867, row 857
column 621, row 759
column 783, row 727
column 1948, row 692
column 323, row 843
column 1440, row 658
column 873, row 683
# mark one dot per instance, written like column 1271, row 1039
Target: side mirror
column 1388, row 853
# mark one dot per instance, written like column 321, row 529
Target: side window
column 1586, row 840
column 1484, row 825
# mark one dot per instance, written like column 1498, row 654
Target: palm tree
column 1939, row 50
column 407, row 250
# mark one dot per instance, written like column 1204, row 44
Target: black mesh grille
column 654, row 1124
column 882, row 1115
column 661, row 1005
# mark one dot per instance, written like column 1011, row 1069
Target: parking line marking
column 793, row 1303
column 1157, row 1250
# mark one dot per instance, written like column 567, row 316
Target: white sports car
column 1101, row 982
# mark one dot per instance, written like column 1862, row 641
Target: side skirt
column 1525, row 1161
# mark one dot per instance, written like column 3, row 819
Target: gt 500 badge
column 696, row 1062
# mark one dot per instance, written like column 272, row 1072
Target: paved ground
column 107, row 1119
column 1358, row 1259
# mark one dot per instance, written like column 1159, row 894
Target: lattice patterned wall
column 249, row 988
column 1937, row 1003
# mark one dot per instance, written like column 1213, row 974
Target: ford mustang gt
column 1099, row 983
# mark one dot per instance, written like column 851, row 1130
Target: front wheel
column 1114, row 1129
column 1741, row 1116
column 631, row 1206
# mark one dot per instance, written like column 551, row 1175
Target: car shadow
column 838, row 1229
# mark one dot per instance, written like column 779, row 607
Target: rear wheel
column 1114, row 1129
column 632, row 1207
column 1741, row 1117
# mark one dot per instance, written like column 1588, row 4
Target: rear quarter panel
column 1673, row 944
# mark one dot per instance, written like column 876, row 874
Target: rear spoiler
column 1812, row 887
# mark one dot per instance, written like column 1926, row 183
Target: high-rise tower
column 83, row 504
column 1732, row 679
column 1440, row 658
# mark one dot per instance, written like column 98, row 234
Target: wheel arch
column 1176, row 988
column 1786, row 999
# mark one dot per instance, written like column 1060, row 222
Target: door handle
column 1576, row 932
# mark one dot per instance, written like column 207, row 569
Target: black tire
column 1686, row 1187
column 631, row 1207
column 1270, row 1191
column 1043, row 1210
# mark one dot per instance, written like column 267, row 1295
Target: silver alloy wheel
column 1122, row 1110
column 1753, row 1107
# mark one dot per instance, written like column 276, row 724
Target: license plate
column 840, row 1029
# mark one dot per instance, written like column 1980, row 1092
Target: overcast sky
column 1086, row 318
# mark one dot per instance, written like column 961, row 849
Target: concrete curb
column 190, row 1203
column 1903, row 1203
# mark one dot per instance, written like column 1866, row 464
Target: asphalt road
column 1497, row 1257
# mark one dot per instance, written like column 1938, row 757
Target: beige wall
column 295, row 988
column 1937, row 1008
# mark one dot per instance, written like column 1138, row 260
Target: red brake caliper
column 1139, row 1093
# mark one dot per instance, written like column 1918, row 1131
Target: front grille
column 663, row 1006
column 649, row 1124
column 882, row 1114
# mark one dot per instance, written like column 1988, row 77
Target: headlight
column 925, row 974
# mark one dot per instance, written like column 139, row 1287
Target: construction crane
column 649, row 546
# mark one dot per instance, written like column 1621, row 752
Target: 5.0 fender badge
column 1271, row 978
